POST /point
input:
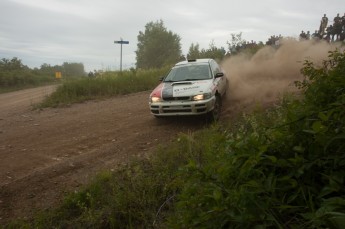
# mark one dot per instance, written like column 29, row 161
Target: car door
column 221, row 81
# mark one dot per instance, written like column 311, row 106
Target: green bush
column 288, row 175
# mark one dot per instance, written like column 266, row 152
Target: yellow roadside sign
column 58, row 75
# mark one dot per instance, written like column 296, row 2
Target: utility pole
column 121, row 41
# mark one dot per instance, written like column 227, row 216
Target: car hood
column 183, row 88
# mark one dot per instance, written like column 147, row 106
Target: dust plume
column 271, row 72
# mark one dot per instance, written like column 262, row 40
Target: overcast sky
column 84, row 31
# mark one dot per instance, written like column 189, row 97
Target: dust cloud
column 271, row 72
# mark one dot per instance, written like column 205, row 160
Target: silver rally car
column 192, row 87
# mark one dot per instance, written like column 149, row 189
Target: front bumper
column 175, row 108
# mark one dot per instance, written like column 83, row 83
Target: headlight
column 202, row 96
column 155, row 99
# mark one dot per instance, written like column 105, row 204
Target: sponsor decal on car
column 185, row 91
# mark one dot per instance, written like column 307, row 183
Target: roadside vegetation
column 106, row 85
column 276, row 168
column 14, row 75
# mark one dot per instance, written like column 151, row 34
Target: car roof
column 192, row 61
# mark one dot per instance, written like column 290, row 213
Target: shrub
column 276, row 175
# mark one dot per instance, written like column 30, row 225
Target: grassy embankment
column 277, row 168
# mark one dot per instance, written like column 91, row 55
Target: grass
column 27, row 86
column 109, row 84
column 22, row 79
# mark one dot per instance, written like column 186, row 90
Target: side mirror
column 161, row 79
column 219, row 74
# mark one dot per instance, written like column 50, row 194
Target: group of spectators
column 330, row 33
column 274, row 40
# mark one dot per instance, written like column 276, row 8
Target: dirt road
column 46, row 153
column 13, row 101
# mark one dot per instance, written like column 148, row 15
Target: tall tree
column 194, row 51
column 73, row 69
column 157, row 46
column 236, row 43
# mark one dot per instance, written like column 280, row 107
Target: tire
column 214, row 115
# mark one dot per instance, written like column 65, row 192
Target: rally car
column 192, row 87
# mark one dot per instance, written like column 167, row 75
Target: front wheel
column 214, row 115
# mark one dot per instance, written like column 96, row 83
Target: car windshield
column 189, row 73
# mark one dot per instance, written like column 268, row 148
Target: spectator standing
column 323, row 25
column 337, row 27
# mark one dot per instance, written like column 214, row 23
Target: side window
column 215, row 67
